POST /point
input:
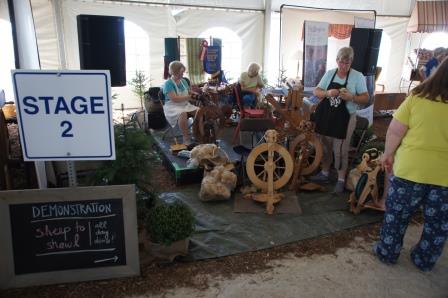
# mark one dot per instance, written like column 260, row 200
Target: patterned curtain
column 340, row 31
column 195, row 68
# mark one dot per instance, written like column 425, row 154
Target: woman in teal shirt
column 339, row 91
column 177, row 107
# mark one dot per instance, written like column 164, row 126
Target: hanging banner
column 315, row 53
column 212, row 59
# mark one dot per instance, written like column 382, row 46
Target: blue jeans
column 404, row 197
column 249, row 99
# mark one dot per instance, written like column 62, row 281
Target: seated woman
column 177, row 94
column 251, row 83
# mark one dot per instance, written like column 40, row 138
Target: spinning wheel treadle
column 257, row 166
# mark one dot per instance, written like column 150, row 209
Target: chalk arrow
column 115, row 259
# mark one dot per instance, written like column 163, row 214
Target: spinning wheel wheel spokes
column 308, row 147
column 257, row 166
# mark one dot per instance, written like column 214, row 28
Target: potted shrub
column 169, row 226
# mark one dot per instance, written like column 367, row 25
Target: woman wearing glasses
column 340, row 91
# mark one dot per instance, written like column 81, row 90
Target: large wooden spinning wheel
column 269, row 162
column 308, row 148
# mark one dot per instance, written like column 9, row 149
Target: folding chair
column 245, row 113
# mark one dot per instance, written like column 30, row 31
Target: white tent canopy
column 382, row 7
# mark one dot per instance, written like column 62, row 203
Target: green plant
column 372, row 144
column 133, row 159
column 282, row 77
column 139, row 85
column 145, row 201
column 170, row 222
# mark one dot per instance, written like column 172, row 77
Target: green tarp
column 221, row 232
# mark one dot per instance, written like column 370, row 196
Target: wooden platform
column 177, row 166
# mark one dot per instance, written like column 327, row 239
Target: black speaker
column 366, row 45
column 101, row 45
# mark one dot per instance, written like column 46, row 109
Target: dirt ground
column 337, row 265
column 351, row 271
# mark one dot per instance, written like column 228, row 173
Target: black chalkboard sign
column 67, row 235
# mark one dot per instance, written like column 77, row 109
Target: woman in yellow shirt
column 416, row 152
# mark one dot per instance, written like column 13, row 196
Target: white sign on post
column 64, row 115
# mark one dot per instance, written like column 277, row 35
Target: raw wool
column 208, row 156
column 218, row 181
column 217, row 184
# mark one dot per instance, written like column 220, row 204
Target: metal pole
column 71, row 171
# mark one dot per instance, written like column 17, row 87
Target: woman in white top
column 177, row 94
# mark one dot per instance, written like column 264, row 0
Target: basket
column 9, row 110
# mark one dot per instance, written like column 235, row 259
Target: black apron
column 331, row 115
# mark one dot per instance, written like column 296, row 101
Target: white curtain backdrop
column 395, row 28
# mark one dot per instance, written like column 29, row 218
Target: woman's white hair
column 345, row 53
column 253, row 69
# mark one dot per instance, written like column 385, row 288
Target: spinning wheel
column 309, row 150
column 269, row 166
column 266, row 158
column 372, row 185
column 306, row 150
column 208, row 121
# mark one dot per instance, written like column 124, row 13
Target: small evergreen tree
column 139, row 85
